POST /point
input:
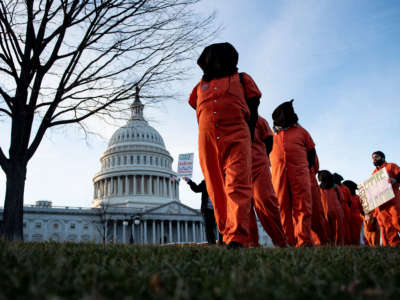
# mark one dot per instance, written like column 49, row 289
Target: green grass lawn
column 54, row 271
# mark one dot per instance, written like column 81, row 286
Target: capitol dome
column 136, row 167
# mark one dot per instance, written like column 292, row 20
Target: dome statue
column 136, row 167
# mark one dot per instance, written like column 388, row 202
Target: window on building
column 55, row 226
column 113, row 162
column 125, row 159
column 151, row 160
column 131, row 159
column 144, row 159
column 38, row 225
column 72, row 226
column 25, row 225
column 138, row 159
column 86, row 226
column 156, row 161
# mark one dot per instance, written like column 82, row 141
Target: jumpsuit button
column 217, row 137
column 216, row 125
column 215, row 100
column 215, row 88
column 215, row 112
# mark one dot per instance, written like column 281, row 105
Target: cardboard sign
column 185, row 165
column 375, row 191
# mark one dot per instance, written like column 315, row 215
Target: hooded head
column 337, row 178
column 352, row 186
column 325, row 179
column 218, row 60
column 284, row 115
column 378, row 158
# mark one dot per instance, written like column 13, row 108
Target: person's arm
column 194, row 187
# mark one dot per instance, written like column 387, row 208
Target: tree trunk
column 14, row 202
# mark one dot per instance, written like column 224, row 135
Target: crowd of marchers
column 250, row 170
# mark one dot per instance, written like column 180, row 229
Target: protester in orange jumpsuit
column 264, row 199
column 355, row 213
column 372, row 234
column 319, row 223
column 332, row 208
column 345, row 201
column 226, row 115
column 291, row 158
column 388, row 214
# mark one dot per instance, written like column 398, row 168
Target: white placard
column 185, row 165
column 375, row 191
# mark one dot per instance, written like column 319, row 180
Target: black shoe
column 234, row 245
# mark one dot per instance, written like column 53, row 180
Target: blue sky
column 339, row 60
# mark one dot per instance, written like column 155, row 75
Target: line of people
column 249, row 170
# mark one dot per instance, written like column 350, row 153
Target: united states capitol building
column 135, row 201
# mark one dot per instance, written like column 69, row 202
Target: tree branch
column 6, row 112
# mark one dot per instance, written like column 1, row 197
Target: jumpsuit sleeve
column 193, row 97
column 265, row 129
column 396, row 172
column 308, row 141
column 252, row 96
column 250, row 88
column 310, row 147
column 316, row 163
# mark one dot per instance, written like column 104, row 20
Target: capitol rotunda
column 136, row 167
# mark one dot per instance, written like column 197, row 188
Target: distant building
column 136, row 197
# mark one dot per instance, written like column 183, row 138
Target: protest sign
column 375, row 191
column 185, row 165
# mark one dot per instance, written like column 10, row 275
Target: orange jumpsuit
column 334, row 214
column 264, row 198
column 388, row 214
column 371, row 230
column 225, row 150
column 292, row 184
column 345, row 196
column 319, row 224
column 355, row 220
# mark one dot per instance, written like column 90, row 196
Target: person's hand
column 185, row 178
column 392, row 180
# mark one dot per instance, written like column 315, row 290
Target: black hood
column 218, row 60
column 352, row 186
column 284, row 115
column 337, row 178
column 326, row 179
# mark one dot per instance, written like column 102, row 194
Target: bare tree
column 63, row 61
